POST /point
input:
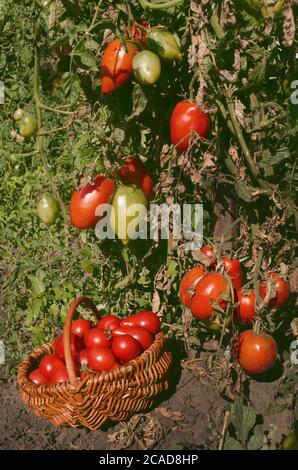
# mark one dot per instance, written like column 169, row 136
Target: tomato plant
column 186, row 118
column 147, row 67
column 47, row 209
column 126, row 348
column 282, row 290
column 233, row 268
column 116, row 65
column 164, row 43
column 144, row 319
column 28, row 125
column 208, row 253
column 210, row 292
column 256, row 353
column 139, row 33
column 84, row 203
column 245, row 312
column 134, row 172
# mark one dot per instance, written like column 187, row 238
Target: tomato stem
column 256, row 282
column 160, row 6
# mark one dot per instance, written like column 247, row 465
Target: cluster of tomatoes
column 112, row 343
column 209, row 295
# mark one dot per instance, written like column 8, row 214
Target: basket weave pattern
column 91, row 401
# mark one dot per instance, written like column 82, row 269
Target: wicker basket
column 91, row 401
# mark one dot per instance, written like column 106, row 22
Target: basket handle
column 67, row 333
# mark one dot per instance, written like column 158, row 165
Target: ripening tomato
column 233, row 268
column 18, row 114
column 116, row 65
column 143, row 336
column 84, row 203
column 134, row 172
column 188, row 283
column 255, row 353
column 101, row 359
column 245, row 311
column 129, row 206
column 163, row 43
column 77, row 344
column 146, row 67
column 80, row 326
column 145, row 319
column 209, row 293
column 96, row 338
column 37, row 377
column 187, row 118
column 47, row 209
column 108, row 320
column 209, row 254
column 29, row 125
column 48, row 364
column 282, row 290
column 139, row 34
column 126, row 348
column 59, row 375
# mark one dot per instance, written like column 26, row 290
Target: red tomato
column 145, row 319
column 126, row 348
column 48, row 364
column 59, row 375
column 37, row 377
column 115, row 366
column 84, row 203
column 209, row 253
column 138, row 34
column 255, row 353
column 187, row 118
column 245, row 312
column 208, row 294
column 96, row 338
column 76, row 345
column 282, row 290
column 83, row 359
column 134, row 172
column 80, row 326
column 108, row 320
column 233, row 268
column 188, row 283
column 101, row 359
column 143, row 336
column 116, row 65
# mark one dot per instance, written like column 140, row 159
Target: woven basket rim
column 121, row 372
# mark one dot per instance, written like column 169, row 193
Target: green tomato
column 290, row 442
column 164, row 43
column 18, row 114
column 29, row 125
column 47, row 209
column 129, row 205
column 147, row 68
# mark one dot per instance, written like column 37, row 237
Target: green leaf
column 232, row 444
column 244, row 419
column 173, row 268
column 257, row 439
column 139, row 101
column 37, row 286
column 244, row 191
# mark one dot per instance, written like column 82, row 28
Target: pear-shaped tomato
column 129, row 206
column 134, row 172
column 116, row 65
column 163, row 43
column 84, row 203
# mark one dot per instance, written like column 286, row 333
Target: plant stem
column 224, row 430
column 55, row 110
column 40, row 138
column 51, row 131
column 256, row 282
column 160, row 6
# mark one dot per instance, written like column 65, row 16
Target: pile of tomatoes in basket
column 110, row 344
column 217, row 297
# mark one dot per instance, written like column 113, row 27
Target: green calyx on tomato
column 129, row 206
column 134, row 172
column 84, row 203
column 29, row 125
column 164, row 44
column 47, row 209
column 116, row 65
column 147, row 67
column 18, row 114
column 187, row 118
